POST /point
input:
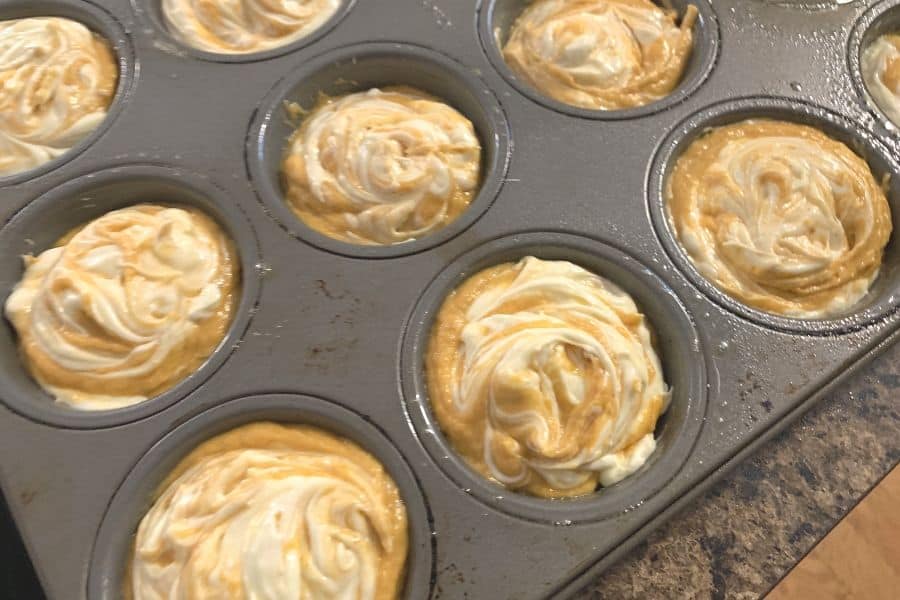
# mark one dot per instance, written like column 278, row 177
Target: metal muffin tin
column 332, row 334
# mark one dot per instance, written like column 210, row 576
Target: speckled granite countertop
column 740, row 538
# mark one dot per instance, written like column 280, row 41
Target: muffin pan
column 333, row 334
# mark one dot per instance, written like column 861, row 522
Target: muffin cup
column 678, row 345
column 113, row 545
column 150, row 11
column 496, row 18
column 883, row 297
column 881, row 18
column 110, row 29
column 359, row 68
column 39, row 225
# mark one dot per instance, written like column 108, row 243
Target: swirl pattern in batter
column 126, row 307
column 244, row 26
column 601, row 54
column 780, row 216
column 57, row 80
column 382, row 167
column 881, row 73
column 270, row 511
column 544, row 378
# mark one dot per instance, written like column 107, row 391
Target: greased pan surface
column 331, row 335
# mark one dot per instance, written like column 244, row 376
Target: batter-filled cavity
column 780, row 216
column 881, row 74
column 244, row 26
column 272, row 511
column 601, row 54
column 57, row 80
column 124, row 308
column 544, row 378
column 382, row 167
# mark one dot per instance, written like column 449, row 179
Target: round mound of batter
column 57, row 80
column 881, row 74
column 272, row 511
column 544, row 378
column 382, row 167
column 780, row 216
column 601, row 54
column 125, row 307
column 244, row 26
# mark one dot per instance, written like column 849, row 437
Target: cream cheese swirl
column 544, row 378
column 600, row 54
column 243, row 26
column 125, row 307
column 780, row 216
column 57, row 80
column 273, row 512
column 382, row 167
column 881, row 73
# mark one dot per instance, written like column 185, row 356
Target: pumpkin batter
column 243, row 26
column 57, row 80
column 272, row 511
column 780, row 216
column 124, row 308
column 601, row 54
column 382, row 167
column 544, row 378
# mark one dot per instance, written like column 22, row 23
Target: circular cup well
column 883, row 17
column 358, row 68
column 151, row 12
column 101, row 22
column 41, row 223
column 496, row 18
column 112, row 547
column 677, row 343
column 884, row 295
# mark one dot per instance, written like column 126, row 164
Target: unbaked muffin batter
column 544, row 378
column 125, row 307
column 382, row 167
column 881, row 74
column 57, row 80
column 243, row 26
column 601, row 54
column 272, row 511
column 780, row 216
